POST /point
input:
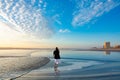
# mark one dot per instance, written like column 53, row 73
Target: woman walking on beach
column 56, row 55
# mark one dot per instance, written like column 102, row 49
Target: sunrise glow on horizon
column 66, row 24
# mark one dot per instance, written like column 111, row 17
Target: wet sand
column 11, row 67
column 27, row 66
column 71, row 71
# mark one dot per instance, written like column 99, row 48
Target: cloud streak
column 26, row 16
column 88, row 10
column 56, row 18
column 64, row 31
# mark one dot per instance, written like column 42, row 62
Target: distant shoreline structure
column 12, row 48
column 74, row 49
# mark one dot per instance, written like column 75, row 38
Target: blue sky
column 62, row 23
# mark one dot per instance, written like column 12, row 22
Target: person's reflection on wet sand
column 107, row 52
column 57, row 72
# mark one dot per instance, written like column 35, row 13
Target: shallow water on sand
column 83, row 55
column 76, row 64
column 14, row 63
column 90, row 65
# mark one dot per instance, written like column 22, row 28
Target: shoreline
column 14, row 67
column 89, row 73
column 73, row 49
column 67, row 63
column 98, row 49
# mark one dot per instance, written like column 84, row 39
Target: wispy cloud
column 64, row 30
column 88, row 10
column 26, row 16
column 56, row 19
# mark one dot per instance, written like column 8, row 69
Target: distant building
column 106, row 45
column 117, row 46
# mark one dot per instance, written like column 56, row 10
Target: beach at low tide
column 74, row 65
column 76, row 70
column 12, row 67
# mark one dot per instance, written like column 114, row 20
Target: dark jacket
column 56, row 54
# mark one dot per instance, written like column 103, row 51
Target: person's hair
column 57, row 49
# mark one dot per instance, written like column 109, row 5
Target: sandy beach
column 74, row 65
column 72, row 71
column 83, row 34
column 11, row 67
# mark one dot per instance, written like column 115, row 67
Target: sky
column 61, row 23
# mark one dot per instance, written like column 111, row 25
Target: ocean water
column 72, row 63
